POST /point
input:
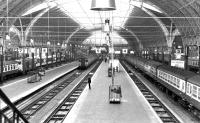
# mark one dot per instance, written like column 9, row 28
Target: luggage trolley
column 115, row 93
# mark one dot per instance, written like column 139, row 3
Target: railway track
column 45, row 95
column 162, row 111
column 59, row 114
column 32, row 108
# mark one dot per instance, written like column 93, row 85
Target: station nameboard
column 178, row 63
column 125, row 51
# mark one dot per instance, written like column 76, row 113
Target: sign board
column 117, row 52
column 125, row 51
column 98, row 50
column 132, row 52
column 178, row 55
column 44, row 50
column 178, row 63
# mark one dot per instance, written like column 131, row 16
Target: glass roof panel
column 39, row 7
column 98, row 38
column 143, row 4
column 79, row 11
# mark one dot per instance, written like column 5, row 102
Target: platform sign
column 117, row 52
column 98, row 50
column 178, row 63
column 132, row 52
column 125, row 51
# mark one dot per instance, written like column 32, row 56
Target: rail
column 60, row 113
column 160, row 109
column 17, row 116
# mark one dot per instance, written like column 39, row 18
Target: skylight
column 39, row 7
column 143, row 4
column 98, row 38
column 80, row 11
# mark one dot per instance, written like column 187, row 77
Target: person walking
column 89, row 82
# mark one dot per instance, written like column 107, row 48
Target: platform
column 93, row 105
column 17, row 89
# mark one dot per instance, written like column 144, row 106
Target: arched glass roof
column 79, row 11
column 99, row 38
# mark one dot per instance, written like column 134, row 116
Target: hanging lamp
column 103, row 5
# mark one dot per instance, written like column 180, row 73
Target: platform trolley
column 115, row 94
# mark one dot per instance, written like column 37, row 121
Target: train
column 184, row 86
column 17, row 67
column 86, row 61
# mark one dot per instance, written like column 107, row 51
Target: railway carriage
column 10, row 68
column 86, row 61
column 151, row 68
column 184, row 85
column 174, row 79
column 193, row 91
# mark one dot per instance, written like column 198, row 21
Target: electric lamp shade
column 103, row 5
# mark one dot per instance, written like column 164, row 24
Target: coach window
column 199, row 93
column 160, row 74
column 178, row 83
column 165, row 76
column 171, row 79
column 6, row 68
column 194, row 91
column 168, row 77
column 183, row 86
column 188, row 88
column 175, row 82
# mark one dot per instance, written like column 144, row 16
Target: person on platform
column 89, row 82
